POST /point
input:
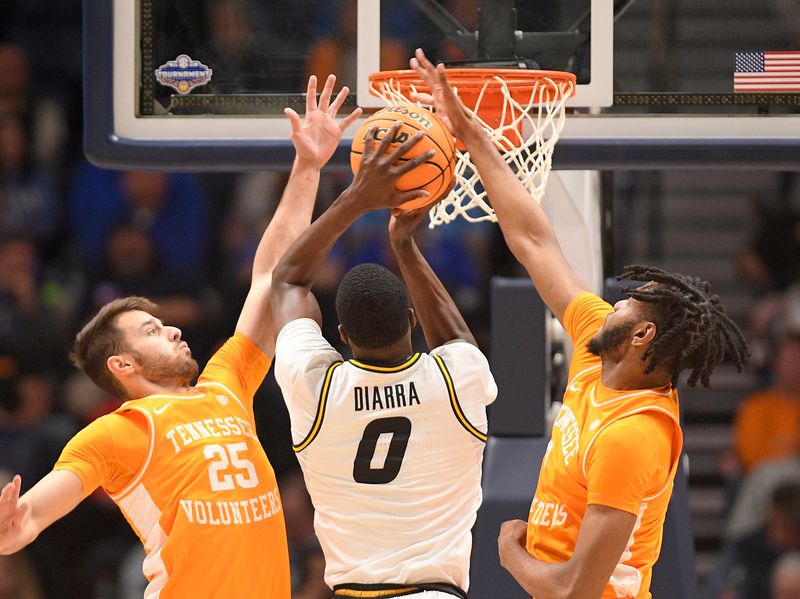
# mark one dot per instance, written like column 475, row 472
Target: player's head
column 674, row 322
column 373, row 307
column 125, row 339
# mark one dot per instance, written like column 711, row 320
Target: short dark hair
column 693, row 331
column 100, row 338
column 372, row 306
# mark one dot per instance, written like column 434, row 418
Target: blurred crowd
column 760, row 556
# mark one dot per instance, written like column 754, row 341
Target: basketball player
column 596, row 520
column 390, row 441
column 183, row 462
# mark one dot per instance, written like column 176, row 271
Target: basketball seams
column 429, row 138
column 437, row 138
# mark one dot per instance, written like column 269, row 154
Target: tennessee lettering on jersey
column 567, row 425
column 385, row 397
column 186, row 433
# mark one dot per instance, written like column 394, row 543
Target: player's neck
column 143, row 387
column 628, row 374
column 392, row 355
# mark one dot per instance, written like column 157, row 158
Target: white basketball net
column 538, row 121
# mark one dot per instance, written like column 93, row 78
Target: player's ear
column 343, row 335
column 412, row 318
column 644, row 333
column 120, row 365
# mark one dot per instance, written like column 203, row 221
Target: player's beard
column 180, row 370
column 609, row 340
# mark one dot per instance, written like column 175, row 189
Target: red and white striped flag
column 766, row 72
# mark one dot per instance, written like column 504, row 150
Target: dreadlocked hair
column 693, row 331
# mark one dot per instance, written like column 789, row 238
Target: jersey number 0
column 400, row 430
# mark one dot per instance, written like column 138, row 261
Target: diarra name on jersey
column 385, row 397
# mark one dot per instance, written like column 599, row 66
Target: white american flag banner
column 766, row 71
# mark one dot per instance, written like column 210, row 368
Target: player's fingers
column 338, row 101
column 403, row 167
column 350, row 118
column 370, row 145
column 389, row 136
column 311, row 94
column 294, row 119
column 21, row 513
column 425, row 75
column 422, row 60
column 408, row 196
column 404, row 147
column 6, row 494
column 327, row 91
column 411, row 217
column 421, row 97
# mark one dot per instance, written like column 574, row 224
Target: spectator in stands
column 251, row 50
column 28, row 203
column 44, row 118
column 768, row 421
column 28, row 325
column 786, row 577
column 334, row 50
column 755, row 555
column 160, row 204
column 132, row 266
column 769, row 262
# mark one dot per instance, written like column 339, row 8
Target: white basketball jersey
column 391, row 456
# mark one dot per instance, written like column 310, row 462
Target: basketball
column 434, row 175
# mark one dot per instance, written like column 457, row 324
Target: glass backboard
column 193, row 84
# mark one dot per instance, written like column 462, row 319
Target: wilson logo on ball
column 412, row 114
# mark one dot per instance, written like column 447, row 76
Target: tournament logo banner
column 183, row 74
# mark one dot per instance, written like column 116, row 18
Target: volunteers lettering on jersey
column 242, row 511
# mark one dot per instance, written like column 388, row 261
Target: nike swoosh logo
column 574, row 387
column 164, row 407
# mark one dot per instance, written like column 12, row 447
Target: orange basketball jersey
column 609, row 447
column 192, row 479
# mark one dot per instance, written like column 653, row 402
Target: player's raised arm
column 436, row 311
column 525, row 226
column 372, row 188
column 23, row 518
column 315, row 139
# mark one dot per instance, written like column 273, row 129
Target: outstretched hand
column 443, row 98
column 374, row 185
column 13, row 515
column 403, row 223
column 316, row 137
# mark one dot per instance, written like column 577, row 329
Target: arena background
column 73, row 236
